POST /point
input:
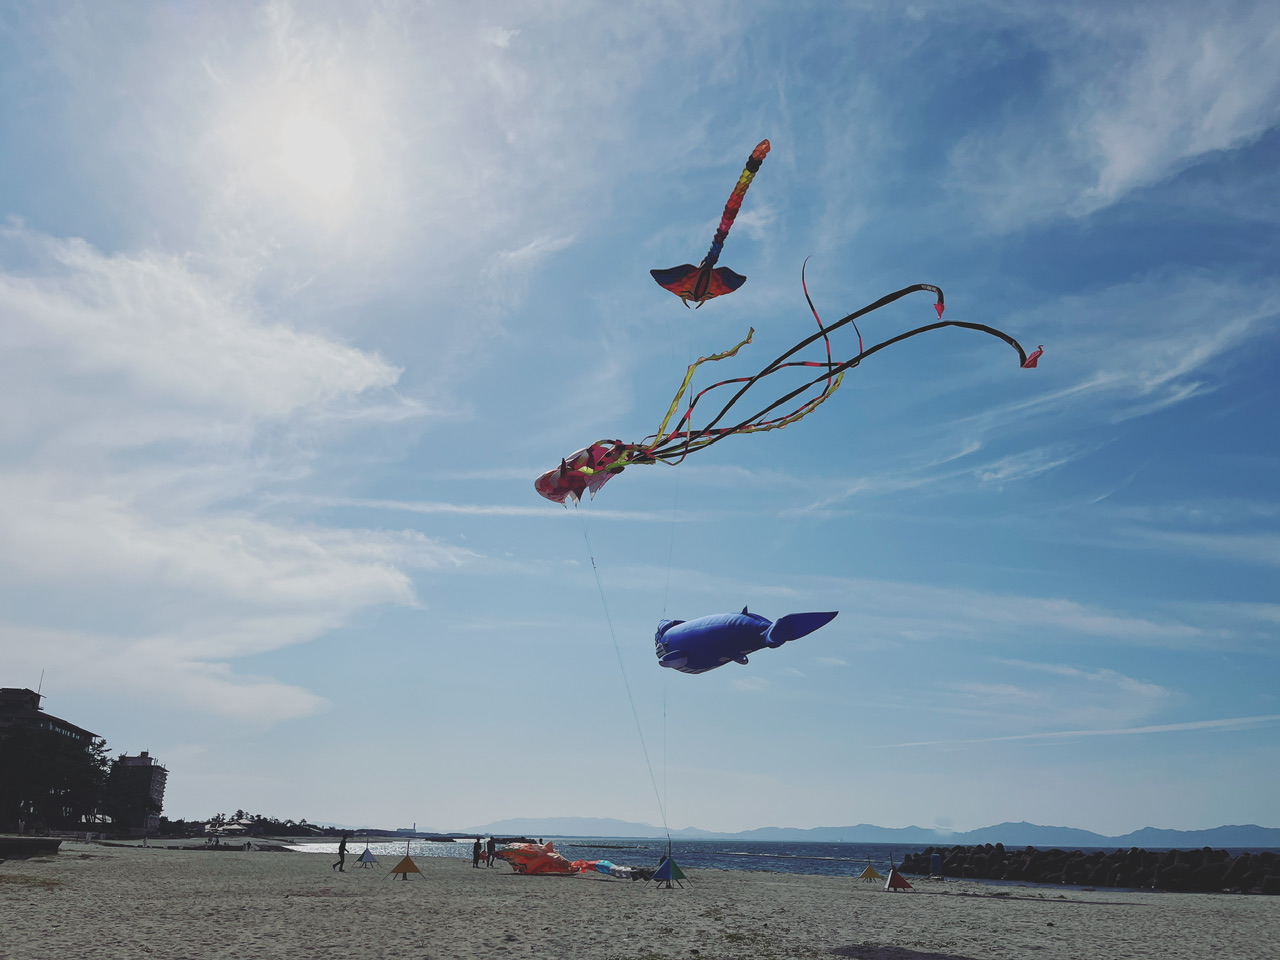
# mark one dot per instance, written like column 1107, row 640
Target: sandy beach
column 94, row 901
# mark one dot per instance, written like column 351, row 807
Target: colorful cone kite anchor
column 871, row 873
column 668, row 873
column 405, row 867
column 897, row 881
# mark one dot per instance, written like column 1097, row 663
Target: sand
column 94, row 901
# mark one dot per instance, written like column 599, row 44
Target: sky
column 298, row 298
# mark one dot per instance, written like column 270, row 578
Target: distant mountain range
column 1010, row 834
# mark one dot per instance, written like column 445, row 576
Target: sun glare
column 315, row 153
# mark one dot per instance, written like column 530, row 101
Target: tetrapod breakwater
column 1194, row 871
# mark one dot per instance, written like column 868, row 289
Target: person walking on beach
column 475, row 853
column 342, row 855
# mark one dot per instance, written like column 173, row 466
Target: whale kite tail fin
column 796, row 625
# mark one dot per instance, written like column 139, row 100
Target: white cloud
column 152, row 670
column 1113, row 355
column 464, row 136
column 1237, row 530
column 1266, row 614
column 231, row 557
column 1131, row 95
column 1135, row 348
column 146, row 349
column 1055, row 696
column 1024, row 465
column 505, row 277
column 1204, row 79
column 545, row 509
column 1258, row 549
column 187, row 596
column 755, row 221
column 141, row 397
column 1098, row 677
column 499, row 37
column 1225, row 725
column 1200, row 513
column 895, row 612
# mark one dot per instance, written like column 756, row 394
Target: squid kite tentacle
column 708, row 435
column 590, row 468
column 852, row 318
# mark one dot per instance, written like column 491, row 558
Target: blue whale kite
column 696, row 646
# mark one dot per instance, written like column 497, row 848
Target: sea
column 823, row 859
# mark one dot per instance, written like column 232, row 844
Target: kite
column 534, row 858
column 589, row 469
column 696, row 646
column 610, row 869
column 705, row 281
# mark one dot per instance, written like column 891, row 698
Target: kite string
column 666, row 594
column 675, row 513
column 671, row 542
column 675, row 517
column 626, row 683
column 664, row 761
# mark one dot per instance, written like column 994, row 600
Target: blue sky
column 298, row 299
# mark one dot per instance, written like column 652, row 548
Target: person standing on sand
column 342, row 855
column 475, row 853
column 489, row 849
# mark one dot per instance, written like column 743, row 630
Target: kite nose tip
column 940, row 307
column 763, row 147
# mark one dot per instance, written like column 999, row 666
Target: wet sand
column 93, row 901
